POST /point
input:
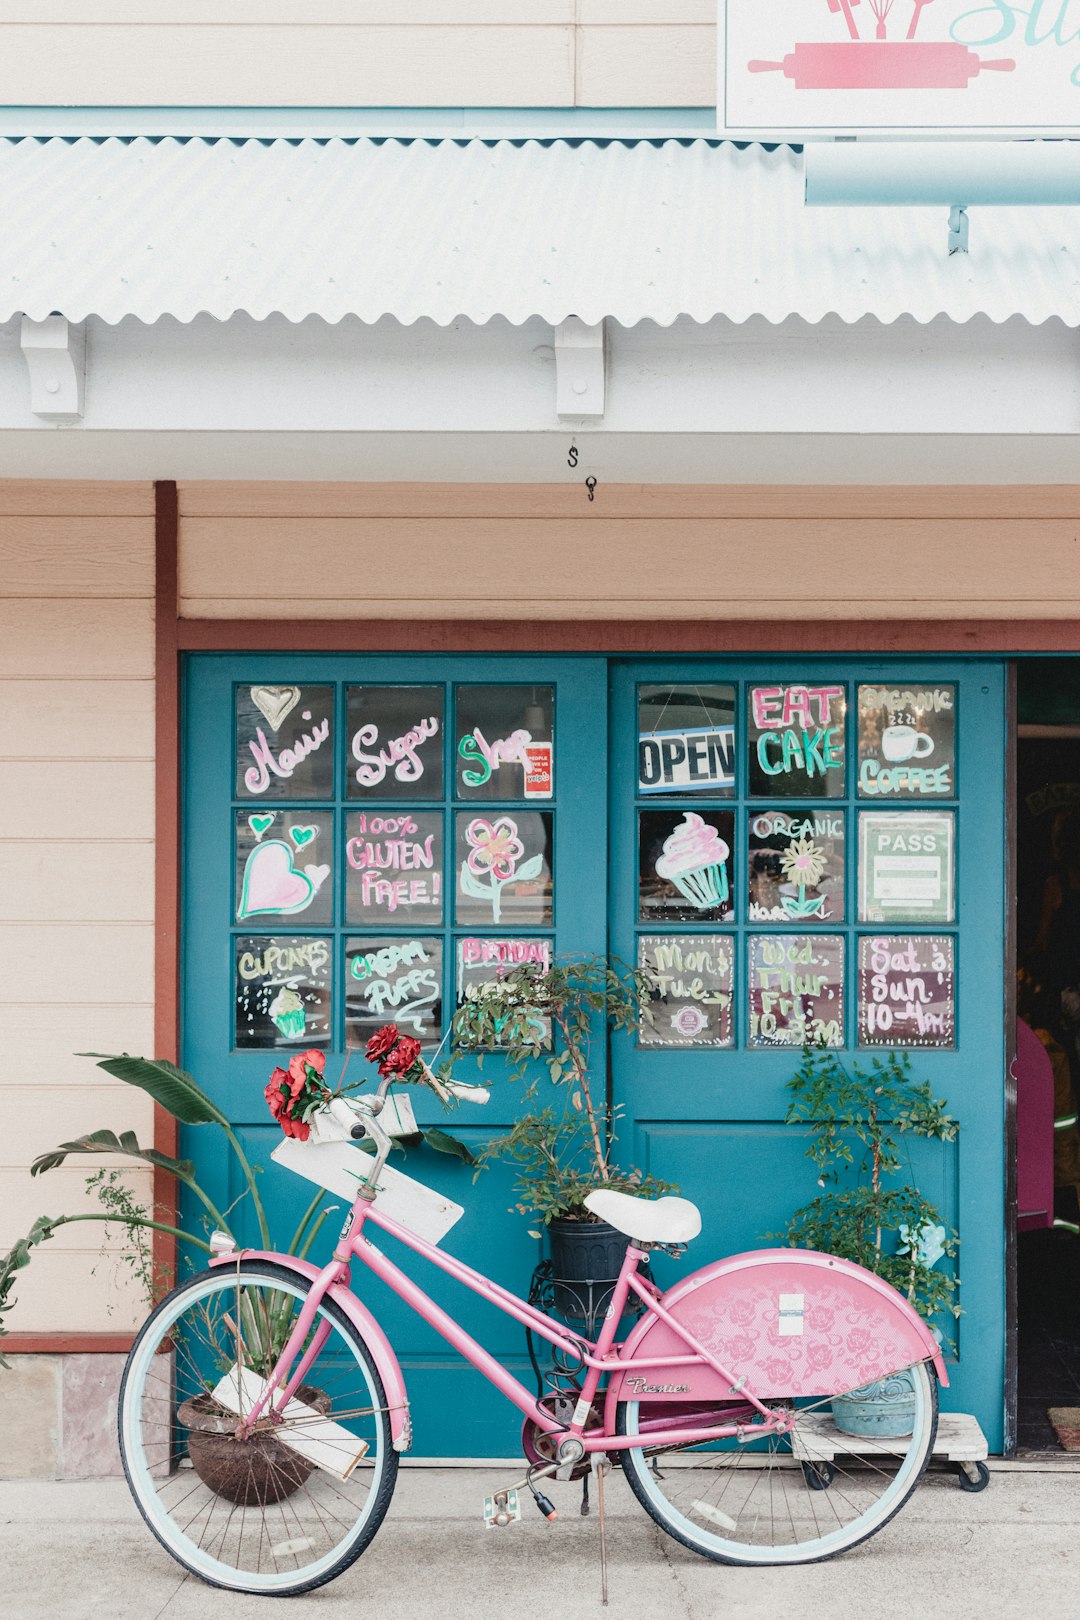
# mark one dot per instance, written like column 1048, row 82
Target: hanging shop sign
column 686, row 738
column 906, row 866
column 897, row 67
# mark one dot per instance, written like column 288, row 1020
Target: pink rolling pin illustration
column 882, row 63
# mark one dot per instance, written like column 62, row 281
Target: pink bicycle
column 263, row 1410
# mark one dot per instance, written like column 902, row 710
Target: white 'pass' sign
column 799, row 68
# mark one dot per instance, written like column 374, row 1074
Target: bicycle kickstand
column 600, row 1467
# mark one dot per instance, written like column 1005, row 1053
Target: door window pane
column 686, row 739
column 393, row 980
column 284, row 742
column 797, row 740
column 483, row 962
column 796, row 865
column 504, row 742
column 283, row 991
column 284, row 861
column 692, row 978
column 907, row 742
column 685, row 865
column 394, row 871
column 504, row 864
column 906, row 990
column 396, row 742
column 796, row 989
column 906, row 866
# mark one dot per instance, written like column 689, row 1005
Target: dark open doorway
column 1048, row 1054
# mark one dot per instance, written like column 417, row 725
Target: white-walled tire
column 305, row 1526
column 752, row 1504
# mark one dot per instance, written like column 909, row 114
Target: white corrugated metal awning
column 470, row 229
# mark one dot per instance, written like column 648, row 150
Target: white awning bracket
column 579, row 367
column 55, row 352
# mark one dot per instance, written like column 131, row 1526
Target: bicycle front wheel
column 290, row 1505
column 794, row 1498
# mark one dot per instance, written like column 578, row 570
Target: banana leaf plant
column 181, row 1096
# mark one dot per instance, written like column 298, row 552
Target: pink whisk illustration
column 881, row 63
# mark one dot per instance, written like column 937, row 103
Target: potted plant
column 872, row 1213
column 552, row 1017
column 260, row 1470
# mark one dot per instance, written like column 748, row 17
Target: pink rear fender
column 789, row 1321
column 371, row 1333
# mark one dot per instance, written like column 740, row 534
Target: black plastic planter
column 586, row 1258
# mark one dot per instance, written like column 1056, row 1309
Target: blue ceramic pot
column 885, row 1408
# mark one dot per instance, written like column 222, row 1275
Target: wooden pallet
column 959, row 1440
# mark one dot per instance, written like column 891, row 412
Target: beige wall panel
column 61, row 497
column 77, row 720
column 76, row 556
column 646, row 67
column 81, row 640
column 329, row 66
column 49, row 1115
column 297, row 499
column 646, row 13
column 92, row 801
column 63, row 1192
column 58, row 1294
column 993, row 569
column 76, row 962
column 60, row 1032
column 81, row 882
column 286, row 13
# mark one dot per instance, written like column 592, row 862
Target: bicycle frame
column 600, row 1357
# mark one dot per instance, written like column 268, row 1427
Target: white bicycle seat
column 649, row 1220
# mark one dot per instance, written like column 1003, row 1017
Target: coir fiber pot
column 884, row 1409
column 586, row 1258
column 253, row 1471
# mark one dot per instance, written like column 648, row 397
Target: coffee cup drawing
column 899, row 743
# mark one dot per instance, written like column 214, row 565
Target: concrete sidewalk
column 73, row 1551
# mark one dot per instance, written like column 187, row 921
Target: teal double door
column 794, row 850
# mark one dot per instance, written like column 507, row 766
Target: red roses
column 395, row 1053
column 381, row 1042
column 295, row 1094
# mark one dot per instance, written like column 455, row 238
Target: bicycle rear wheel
column 254, row 1514
column 774, row 1500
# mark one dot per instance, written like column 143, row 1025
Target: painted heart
column 275, row 702
column 272, row 883
column 259, row 824
column 317, row 874
column 303, row 835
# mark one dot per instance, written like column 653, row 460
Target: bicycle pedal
column 501, row 1509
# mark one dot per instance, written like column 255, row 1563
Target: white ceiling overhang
column 447, row 229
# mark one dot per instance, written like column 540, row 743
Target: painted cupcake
column 695, row 861
column 288, row 1013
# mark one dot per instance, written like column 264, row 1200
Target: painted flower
column 496, row 848
column 381, row 1042
column 803, row 863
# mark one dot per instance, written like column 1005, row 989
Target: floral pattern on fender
column 789, row 1326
